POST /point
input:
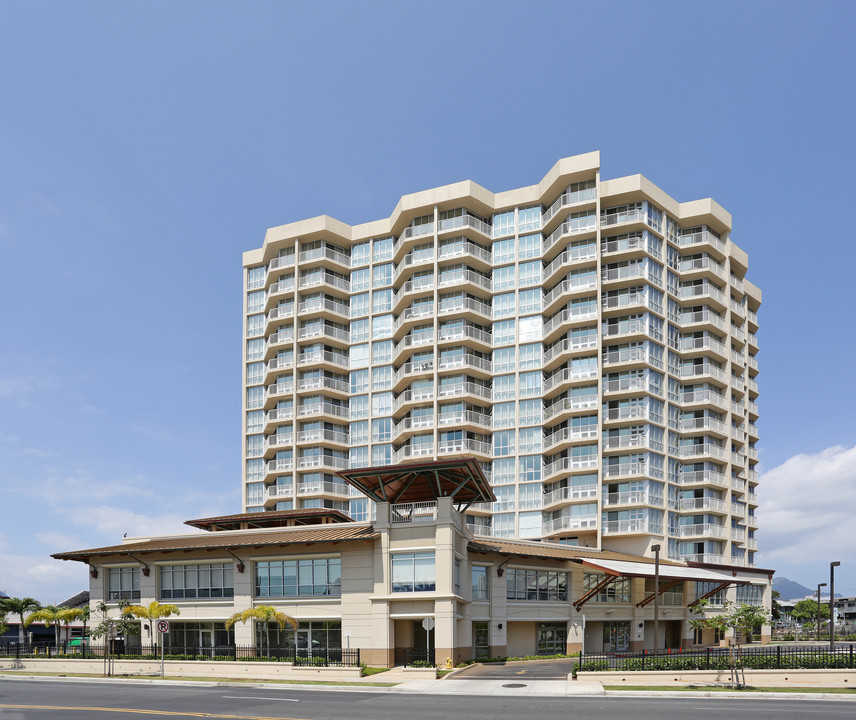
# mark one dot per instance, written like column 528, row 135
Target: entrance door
column 206, row 641
column 616, row 636
column 303, row 643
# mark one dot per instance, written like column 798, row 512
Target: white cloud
column 806, row 509
column 38, row 576
column 115, row 522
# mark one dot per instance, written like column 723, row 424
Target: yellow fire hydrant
column 448, row 663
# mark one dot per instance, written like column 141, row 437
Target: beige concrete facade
column 591, row 341
column 518, row 598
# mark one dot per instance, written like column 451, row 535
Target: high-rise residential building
column 591, row 342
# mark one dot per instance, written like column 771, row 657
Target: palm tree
column 47, row 616
column 263, row 614
column 20, row 606
column 152, row 612
column 70, row 615
column 4, row 626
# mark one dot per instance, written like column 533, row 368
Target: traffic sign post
column 428, row 625
column 163, row 628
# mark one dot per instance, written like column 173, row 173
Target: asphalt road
column 47, row 700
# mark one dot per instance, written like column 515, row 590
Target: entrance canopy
column 670, row 573
column 461, row 480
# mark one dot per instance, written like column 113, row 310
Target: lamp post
column 832, row 567
column 819, row 585
column 656, row 549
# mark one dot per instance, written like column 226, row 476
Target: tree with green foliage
column 4, row 626
column 47, row 616
column 110, row 627
column 152, row 612
column 805, row 611
column 263, row 614
column 20, row 607
column 742, row 620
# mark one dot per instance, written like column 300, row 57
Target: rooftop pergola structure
column 461, row 480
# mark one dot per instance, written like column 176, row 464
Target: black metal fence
column 319, row 657
column 419, row 657
column 771, row 657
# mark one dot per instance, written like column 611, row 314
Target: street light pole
column 819, row 585
column 656, row 549
column 832, row 567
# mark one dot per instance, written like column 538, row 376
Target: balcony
column 707, row 397
column 708, row 343
column 413, row 512
column 713, row 559
column 315, row 305
column 569, row 315
column 281, row 465
column 570, row 464
column 281, row 262
column 322, row 461
column 562, row 524
column 323, row 383
column 322, row 408
column 632, row 527
column 698, row 450
column 702, row 264
column 572, row 256
column 322, row 435
column 632, row 498
column 702, row 317
column 703, row 503
column 464, row 305
column 280, row 312
column 322, row 357
column 464, row 332
column 325, row 253
column 583, row 223
column 571, row 494
column 463, row 388
column 702, row 477
column 464, row 221
column 466, row 445
column 701, row 369
column 570, row 375
column 702, row 530
column 324, row 279
column 702, row 237
column 323, row 487
column 703, row 423
column 464, row 417
column 320, row 330
column 570, row 405
column 633, row 215
column 277, row 492
column 578, row 284
column 570, row 435
column 703, row 290
column 571, row 345
column 420, row 395
column 467, row 361
column 629, row 385
column 280, row 288
column 635, row 356
column 466, row 249
column 631, row 413
column 568, row 199
column 451, row 278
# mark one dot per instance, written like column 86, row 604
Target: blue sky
column 145, row 146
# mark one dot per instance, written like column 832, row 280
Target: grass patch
column 201, row 679
column 373, row 671
column 720, row 688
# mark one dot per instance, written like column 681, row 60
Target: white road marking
column 256, row 697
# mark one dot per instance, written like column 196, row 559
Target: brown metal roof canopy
column 270, row 519
column 461, row 480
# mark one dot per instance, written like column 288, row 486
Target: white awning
column 627, row 568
